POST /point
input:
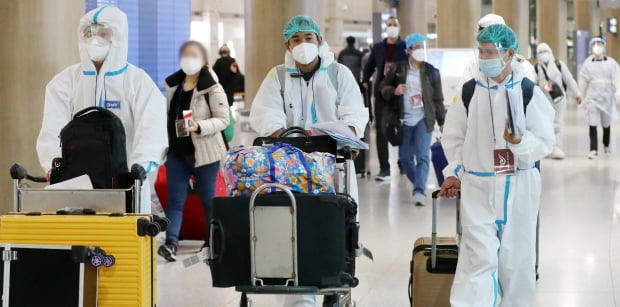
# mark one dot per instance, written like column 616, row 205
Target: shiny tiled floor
column 580, row 237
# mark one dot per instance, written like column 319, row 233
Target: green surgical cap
column 300, row 23
column 502, row 36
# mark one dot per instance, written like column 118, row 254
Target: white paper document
column 341, row 132
column 78, row 183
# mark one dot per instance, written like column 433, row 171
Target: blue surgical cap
column 502, row 36
column 597, row 39
column 300, row 23
column 413, row 39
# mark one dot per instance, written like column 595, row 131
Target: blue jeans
column 416, row 146
column 179, row 169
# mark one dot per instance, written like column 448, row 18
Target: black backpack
column 527, row 88
column 93, row 143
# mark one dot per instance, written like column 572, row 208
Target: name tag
column 112, row 104
column 504, row 161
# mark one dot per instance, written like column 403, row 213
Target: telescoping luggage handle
column 294, row 275
column 459, row 230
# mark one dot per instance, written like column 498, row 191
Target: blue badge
column 112, row 104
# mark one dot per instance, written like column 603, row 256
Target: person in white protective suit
column 104, row 78
column 310, row 96
column 472, row 70
column 498, row 206
column 599, row 82
column 550, row 70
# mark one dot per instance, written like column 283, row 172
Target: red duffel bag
column 194, row 224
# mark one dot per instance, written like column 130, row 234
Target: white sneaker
column 593, row 155
column 419, row 200
column 557, row 153
column 607, row 151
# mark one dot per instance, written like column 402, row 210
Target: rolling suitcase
column 131, row 281
column 194, row 224
column 439, row 160
column 326, row 239
column 362, row 161
column 433, row 266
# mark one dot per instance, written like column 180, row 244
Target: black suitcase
column 362, row 160
column 327, row 235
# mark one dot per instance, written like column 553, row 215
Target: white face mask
column 392, row 31
column 98, row 48
column 544, row 57
column 191, row 65
column 598, row 49
column 419, row 55
column 305, row 53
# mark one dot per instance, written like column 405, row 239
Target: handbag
column 247, row 168
column 551, row 87
column 393, row 127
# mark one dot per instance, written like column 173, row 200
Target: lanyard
column 492, row 117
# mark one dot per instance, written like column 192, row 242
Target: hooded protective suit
column 498, row 212
column 302, row 99
column 599, row 82
column 119, row 86
column 559, row 77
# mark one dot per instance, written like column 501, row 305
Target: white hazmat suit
column 498, row 212
column 300, row 98
column 560, row 76
column 122, row 88
column 599, row 82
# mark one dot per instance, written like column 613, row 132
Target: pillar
column 334, row 30
column 40, row 40
column 613, row 42
column 378, row 8
column 456, row 22
column 551, row 25
column 516, row 14
column 413, row 17
column 264, row 23
column 582, row 12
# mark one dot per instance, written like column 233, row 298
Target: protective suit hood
column 113, row 18
column 545, row 47
column 327, row 57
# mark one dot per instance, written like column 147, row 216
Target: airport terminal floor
column 579, row 235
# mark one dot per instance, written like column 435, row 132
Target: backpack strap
column 281, row 74
column 559, row 65
column 467, row 93
column 527, row 89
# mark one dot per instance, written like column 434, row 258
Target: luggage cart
column 282, row 243
column 28, row 199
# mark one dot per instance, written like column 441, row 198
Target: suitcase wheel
column 96, row 260
column 148, row 228
column 108, row 261
column 163, row 222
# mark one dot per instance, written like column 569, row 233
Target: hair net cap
column 300, row 23
column 491, row 19
column 502, row 36
column 413, row 39
column 598, row 39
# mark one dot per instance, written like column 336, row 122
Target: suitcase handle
column 292, row 130
column 269, row 186
column 435, row 196
column 216, row 251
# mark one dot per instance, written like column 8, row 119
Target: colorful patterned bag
column 247, row 168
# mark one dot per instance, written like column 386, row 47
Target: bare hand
column 48, row 175
column 441, row 128
column 234, row 68
column 277, row 133
column 400, row 90
column 193, row 126
column 511, row 138
column 578, row 100
column 365, row 85
column 450, row 187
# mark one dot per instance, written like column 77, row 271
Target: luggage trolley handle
column 138, row 174
column 252, row 206
column 435, row 196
